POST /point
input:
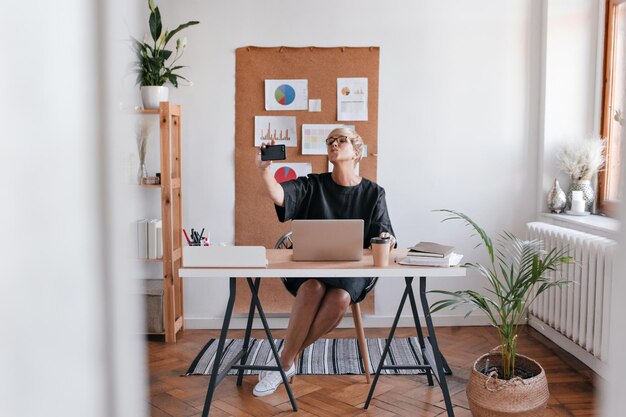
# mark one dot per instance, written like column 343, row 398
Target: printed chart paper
column 282, row 129
column 290, row 171
column 314, row 138
column 352, row 99
column 286, row 94
column 315, row 105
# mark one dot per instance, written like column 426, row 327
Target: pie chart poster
column 290, row 171
column 286, row 94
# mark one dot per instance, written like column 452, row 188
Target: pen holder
column 195, row 238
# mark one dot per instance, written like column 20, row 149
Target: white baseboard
column 368, row 322
column 599, row 367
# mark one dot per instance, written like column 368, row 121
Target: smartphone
column 273, row 153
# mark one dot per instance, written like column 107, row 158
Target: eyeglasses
column 339, row 139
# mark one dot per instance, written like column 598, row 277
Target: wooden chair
column 285, row 242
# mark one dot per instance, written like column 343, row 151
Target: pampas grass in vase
column 142, row 135
column 581, row 160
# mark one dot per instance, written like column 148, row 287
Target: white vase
column 153, row 95
column 556, row 198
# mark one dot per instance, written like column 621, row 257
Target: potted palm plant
column 503, row 382
column 156, row 64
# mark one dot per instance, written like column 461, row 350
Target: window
column 614, row 105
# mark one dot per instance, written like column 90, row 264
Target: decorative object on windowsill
column 619, row 117
column 153, row 69
column 578, row 204
column 142, row 135
column 581, row 160
column 556, row 198
column 503, row 382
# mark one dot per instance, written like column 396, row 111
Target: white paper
column 352, row 99
column 286, row 171
column 356, row 168
column 280, row 128
column 286, row 94
column 314, row 138
column 453, row 260
column 315, row 105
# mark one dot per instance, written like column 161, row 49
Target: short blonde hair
column 355, row 139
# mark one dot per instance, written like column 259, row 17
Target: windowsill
column 594, row 224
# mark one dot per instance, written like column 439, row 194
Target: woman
column 321, row 302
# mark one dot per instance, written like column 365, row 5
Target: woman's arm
column 381, row 223
column 272, row 188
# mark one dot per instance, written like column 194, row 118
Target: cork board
column 255, row 217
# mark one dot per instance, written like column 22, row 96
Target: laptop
column 327, row 240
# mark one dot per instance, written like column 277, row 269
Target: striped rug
column 325, row 356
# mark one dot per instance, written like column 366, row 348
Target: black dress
column 317, row 196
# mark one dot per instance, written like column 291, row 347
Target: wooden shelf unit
column 171, row 216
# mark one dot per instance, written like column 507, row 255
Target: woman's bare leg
column 304, row 310
column 329, row 315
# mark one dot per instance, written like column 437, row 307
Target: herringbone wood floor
column 572, row 388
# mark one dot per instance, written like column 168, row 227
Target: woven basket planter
column 492, row 397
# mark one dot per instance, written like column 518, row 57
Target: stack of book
column 430, row 254
column 150, row 239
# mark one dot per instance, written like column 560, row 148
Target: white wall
column 457, row 119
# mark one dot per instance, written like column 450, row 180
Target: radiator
column 576, row 316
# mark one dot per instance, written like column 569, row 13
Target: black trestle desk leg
column 418, row 327
column 246, row 339
column 220, row 348
column 386, row 350
column 270, row 339
column 436, row 353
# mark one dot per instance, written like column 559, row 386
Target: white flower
column 582, row 159
column 146, row 38
column 184, row 42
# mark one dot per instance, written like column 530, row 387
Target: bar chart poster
column 281, row 129
column 284, row 172
column 286, row 94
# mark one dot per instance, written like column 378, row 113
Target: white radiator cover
column 576, row 316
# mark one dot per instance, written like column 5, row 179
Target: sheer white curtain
column 613, row 394
column 70, row 343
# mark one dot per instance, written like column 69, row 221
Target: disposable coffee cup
column 380, row 250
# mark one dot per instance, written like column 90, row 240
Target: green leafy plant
column 152, row 66
column 516, row 276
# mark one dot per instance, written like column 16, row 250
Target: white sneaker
column 271, row 381
column 271, row 362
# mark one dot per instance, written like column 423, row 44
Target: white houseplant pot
column 153, row 95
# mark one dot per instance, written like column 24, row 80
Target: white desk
column 281, row 265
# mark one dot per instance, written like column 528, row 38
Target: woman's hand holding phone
column 263, row 165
